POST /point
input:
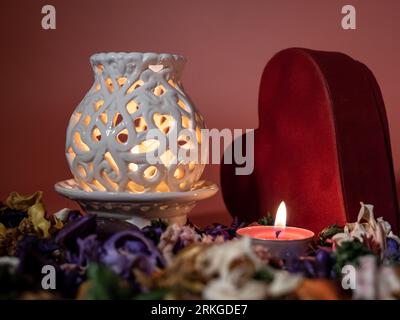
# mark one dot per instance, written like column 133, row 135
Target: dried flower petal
column 37, row 214
column 175, row 238
column 218, row 229
column 2, row 229
column 130, row 248
column 34, row 253
column 62, row 214
column 77, row 228
column 219, row 289
column 23, row 203
column 317, row 289
column 11, row 218
column 34, row 206
column 367, row 230
column 90, row 250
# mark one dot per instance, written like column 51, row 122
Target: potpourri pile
column 94, row 258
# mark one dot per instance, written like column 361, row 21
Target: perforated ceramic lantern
column 109, row 141
column 107, row 134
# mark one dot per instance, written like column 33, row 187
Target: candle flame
column 280, row 219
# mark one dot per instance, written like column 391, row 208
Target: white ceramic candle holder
column 108, row 143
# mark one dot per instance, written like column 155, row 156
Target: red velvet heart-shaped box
column 322, row 144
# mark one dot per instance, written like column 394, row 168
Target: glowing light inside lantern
column 119, row 114
column 280, row 219
column 156, row 67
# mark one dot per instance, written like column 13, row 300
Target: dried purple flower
column 77, row 228
column 128, row 249
column 217, row 229
column 175, row 238
column 106, row 227
column 73, row 215
column 90, row 250
column 324, row 263
column 319, row 265
column 11, row 218
column 392, row 245
column 236, row 223
column 392, row 252
column 155, row 230
column 34, row 253
column 228, row 233
column 69, row 279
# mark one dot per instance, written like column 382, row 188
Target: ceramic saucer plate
column 138, row 208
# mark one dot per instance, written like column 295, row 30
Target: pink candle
column 280, row 240
column 274, row 233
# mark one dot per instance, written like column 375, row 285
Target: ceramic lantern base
column 138, row 208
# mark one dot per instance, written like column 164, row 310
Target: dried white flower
column 62, row 214
column 283, row 283
column 10, row 262
column 374, row 282
column 210, row 239
column 221, row 289
column 232, row 266
column 366, row 227
column 388, row 283
column 218, row 259
column 365, row 278
column 172, row 235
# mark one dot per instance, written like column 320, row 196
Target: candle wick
column 277, row 233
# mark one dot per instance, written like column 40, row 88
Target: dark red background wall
column 227, row 43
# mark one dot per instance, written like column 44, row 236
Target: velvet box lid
column 322, row 144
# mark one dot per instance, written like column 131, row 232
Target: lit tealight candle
column 281, row 241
